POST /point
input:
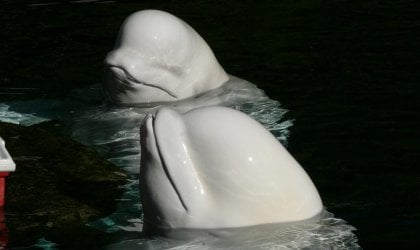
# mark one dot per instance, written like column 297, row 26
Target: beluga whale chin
column 216, row 167
column 159, row 58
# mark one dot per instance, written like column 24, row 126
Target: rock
column 59, row 184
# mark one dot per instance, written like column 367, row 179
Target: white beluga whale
column 159, row 58
column 215, row 167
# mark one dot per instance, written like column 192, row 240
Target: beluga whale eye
column 199, row 171
column 159, row 58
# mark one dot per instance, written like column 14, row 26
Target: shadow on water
column 346, row 70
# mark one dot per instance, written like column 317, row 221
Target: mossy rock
column 59, row 184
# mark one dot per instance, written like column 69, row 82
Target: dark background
column 348, row 71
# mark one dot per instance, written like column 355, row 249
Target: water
column 347, row 71
column 19, row 118
column 327, row 233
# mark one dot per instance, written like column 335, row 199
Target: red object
column 3, row 176
column 4, row 231
column 7, row 165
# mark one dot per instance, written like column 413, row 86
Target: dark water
column 348, row 71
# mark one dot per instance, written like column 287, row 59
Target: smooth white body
column 216, row 167
column 159, row 58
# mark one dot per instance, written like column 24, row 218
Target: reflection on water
column 114, row 132
column 14, row 117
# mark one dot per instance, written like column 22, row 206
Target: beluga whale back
column 159, row 58
column 216, row 167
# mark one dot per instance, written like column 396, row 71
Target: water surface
column 347, row 71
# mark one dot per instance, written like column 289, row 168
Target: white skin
column 159, row 58
column 216, row 167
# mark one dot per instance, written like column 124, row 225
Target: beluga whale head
column 159, row 58
column 215, row 167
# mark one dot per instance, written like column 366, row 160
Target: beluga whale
column 158, row 58
column 216, row 167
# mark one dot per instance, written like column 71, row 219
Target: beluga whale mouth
column 121, row 76
column 159, row 58
column 215, row 167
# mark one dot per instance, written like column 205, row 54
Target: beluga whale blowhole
column 216, row 167
column 159, row 58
